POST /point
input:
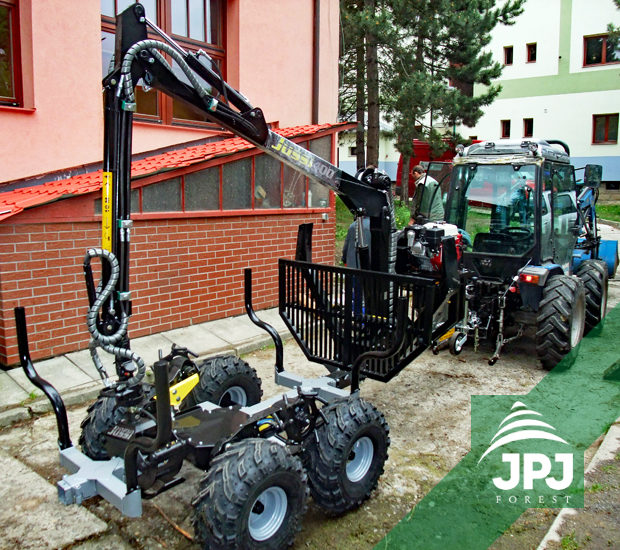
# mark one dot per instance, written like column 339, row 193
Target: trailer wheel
column 345, row 459
column 561, row 319
column 593, row 273
column 225, row 380
column 457, row 343
column 253, row 496
column 102, row 415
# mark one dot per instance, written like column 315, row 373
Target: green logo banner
column 527, row 451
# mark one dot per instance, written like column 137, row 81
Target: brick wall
column 183, row 271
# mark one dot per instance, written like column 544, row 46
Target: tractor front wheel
column 561, row 319
column 253, row 496
column 345, row 459
column 593, row 273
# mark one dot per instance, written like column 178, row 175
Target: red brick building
column 205, row 205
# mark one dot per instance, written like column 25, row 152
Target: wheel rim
column 576, row 329
column 460, row 342
column 603, row 302
column 268, row 513
column 235, row 395
column 360, row 459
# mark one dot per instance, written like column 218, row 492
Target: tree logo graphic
column 535, row 465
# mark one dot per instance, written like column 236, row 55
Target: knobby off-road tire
column 102, row 415
column 593, row 273
column 253, row 497
column 225, row 380
column 561, row 319
column 345, row 459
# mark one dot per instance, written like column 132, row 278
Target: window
column 505, row 127
column 559, row 182
column 251, row 183
column 10, row 73
column 531, row 52
column 605, row 128
column 599, row 50
column 194, row 24
column 236, row 184
column 318, row 195
column 528, row 127
column 508, row 51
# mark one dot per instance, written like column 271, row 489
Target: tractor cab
column 515, row 203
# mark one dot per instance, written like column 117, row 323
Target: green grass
column 608, row 212
column 569, row 542
column 596, row 488
column 343, row 219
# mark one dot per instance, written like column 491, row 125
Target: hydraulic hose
column 107, row 341
column 152, row 46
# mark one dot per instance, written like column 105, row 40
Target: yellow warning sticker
column 106, row 212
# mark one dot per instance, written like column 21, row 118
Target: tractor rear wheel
column 102, row 415
column 225, row 380
column 345, row 459
column 593, row 273
column 253, row 496
column 561, row 319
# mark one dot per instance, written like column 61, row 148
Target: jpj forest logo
column 529, row 463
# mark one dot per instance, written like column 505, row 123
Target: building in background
column 388, row 155
column 561, row 80
column 205, row 204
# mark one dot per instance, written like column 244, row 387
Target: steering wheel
column 519, row 232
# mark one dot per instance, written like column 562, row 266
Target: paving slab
column 199, row 339
column 10, row 391
column 148, row 347
column 83, row 360
column 58, row 371
column 25, row 494
column 10, row 416
column 272, row 316
column 235, row 330
column 104, row 542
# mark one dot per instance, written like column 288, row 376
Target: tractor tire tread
column 222, row 371
column 102, row 415
column 326, row 455
column 593, row 273
column 219, row 506
column 554, row 318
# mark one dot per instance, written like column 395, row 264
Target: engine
column 420, row 247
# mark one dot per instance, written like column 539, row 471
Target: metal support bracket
column 97, row 477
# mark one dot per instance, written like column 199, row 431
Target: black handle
column 261, row 324
column 64, row 441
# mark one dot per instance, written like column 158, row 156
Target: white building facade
column 561, row 80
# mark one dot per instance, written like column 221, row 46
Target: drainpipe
column 316, row 50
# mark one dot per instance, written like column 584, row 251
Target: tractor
column 530, row 242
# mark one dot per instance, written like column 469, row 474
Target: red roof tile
column 13, row 202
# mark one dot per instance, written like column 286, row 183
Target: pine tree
column 439, row 56
column 365, row 29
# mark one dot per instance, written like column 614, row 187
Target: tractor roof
column 532, row 149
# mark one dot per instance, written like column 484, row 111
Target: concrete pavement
column 78, row 381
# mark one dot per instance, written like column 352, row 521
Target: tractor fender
column 608, row 252
column 531, row 290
